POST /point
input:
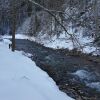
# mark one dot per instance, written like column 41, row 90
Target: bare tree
column 14, row 6
column 72, row 36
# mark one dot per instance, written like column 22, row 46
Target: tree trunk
column 13, row 31
column 13, row 26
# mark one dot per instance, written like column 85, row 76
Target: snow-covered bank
column 61, row 42
column 17, row 36
column 21, row 79
column 64, row 41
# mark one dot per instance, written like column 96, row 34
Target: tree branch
column 50, row 12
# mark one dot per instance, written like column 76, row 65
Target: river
column 77, row 76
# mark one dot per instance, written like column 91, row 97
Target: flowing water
column 74, row 75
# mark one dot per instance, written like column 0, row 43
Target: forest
column 62, row 37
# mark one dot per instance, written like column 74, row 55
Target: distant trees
column 61, row 14
column 80, row 13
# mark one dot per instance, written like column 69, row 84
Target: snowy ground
column 21, row 79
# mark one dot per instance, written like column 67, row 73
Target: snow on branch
column 73, row 37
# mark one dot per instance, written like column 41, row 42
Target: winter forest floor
column 76, row 75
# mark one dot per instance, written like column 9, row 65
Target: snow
column 83, row 74
column 6, row 41
column 55, row 42
column 89, row 49
column 21, row 79
column 64, row 41
column 61, row 42
column 17, row 36
column 27, row 54
column 94, row 85
column 89, row 78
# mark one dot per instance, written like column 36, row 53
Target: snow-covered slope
column 21, row 79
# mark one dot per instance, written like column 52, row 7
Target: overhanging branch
column 73, row 37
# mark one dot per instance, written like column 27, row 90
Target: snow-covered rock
column 94, row 85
